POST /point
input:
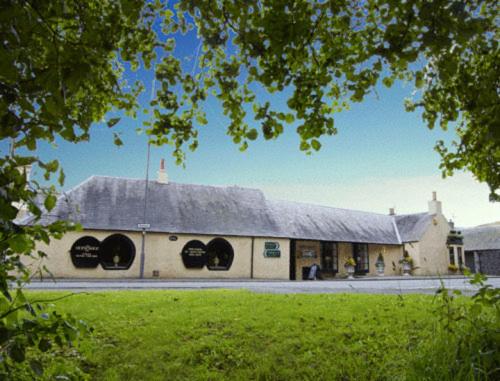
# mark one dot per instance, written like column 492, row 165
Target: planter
column 407, row 269
column 350, row 271
column 380, row 269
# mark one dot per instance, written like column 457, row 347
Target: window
column 452, row 255
column 329, row 258
column 117, row 252
column 220, row 254
column 360, row 254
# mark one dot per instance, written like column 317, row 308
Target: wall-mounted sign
column 194, row 254
column 172, row 238
column 85, row 252
column 272, row 250
column 308, row 253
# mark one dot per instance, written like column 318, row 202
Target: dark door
column 360, row 255
column 469, row 261
column 329, row 258
column 292, row 260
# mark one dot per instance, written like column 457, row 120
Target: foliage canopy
column 62, row 66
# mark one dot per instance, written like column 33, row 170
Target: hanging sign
column 272, row 250
column 85, row 252
column 194, row 255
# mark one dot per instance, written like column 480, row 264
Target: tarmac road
column 393, row 285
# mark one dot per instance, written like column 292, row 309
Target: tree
column 62, row 66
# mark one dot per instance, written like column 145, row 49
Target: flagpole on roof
column 144, row 224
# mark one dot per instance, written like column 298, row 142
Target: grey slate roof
column 482, row 238
column 411, row 227
column 299, row 220
column 110, row 203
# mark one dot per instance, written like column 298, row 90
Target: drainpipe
column 144, row 224
column 251, row 258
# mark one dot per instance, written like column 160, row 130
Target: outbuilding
column 482, row 249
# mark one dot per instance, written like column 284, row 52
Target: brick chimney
column 162, row 173
column 435, row 205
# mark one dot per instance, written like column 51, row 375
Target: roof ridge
column 173, row 182
column 396, row 229
column 328, row 206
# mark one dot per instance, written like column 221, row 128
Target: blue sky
column 381, row 157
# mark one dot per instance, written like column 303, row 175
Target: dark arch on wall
column 85, row 252
column 220, row 255
column 117, row 252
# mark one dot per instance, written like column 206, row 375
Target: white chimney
column 435, row 205
column 162, row 173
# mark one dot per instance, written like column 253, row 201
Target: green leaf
column 117, row 140
column 17, row 352
column 388, row 81
column 112, row 122
column 44, row 345
column 304, row 146
column 62, row 177
column 316, row 145
column 19, row 243
column 252, row 134
column 50, row 202
column 37, row 367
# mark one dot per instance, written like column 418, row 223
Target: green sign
column 272, row 250
column 271, row 246
column 272, row 253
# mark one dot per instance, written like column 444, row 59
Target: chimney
column 452, row 224
column 162, row 173
column 434, row 205
column 392, row 212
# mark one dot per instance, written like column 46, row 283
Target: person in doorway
column 314, row 272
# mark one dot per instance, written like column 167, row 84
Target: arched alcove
column 220, row 255
column 117, row 252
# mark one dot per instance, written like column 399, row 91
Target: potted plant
column 380, row 265
column 349, row 266
column 452, row 268
column 407, row 263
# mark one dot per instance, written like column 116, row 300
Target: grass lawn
column 238, row 335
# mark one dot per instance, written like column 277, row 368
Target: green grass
column 238, row 335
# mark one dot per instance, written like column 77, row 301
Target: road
column 373, row 286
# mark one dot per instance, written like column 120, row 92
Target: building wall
column 392, row 254
column 413, row 250
column 432, row 256
column 59, row 263
column 271, row 268
column 164, row 256
column 345, row 252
